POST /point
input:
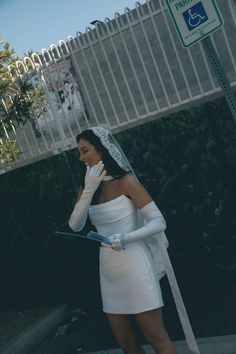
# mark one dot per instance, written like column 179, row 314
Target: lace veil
column 112, row 146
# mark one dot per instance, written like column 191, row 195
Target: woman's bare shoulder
column 133, row 189
column 128, row 180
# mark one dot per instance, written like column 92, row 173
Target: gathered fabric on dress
column 127, row 278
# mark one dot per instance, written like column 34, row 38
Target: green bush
column 188, row 164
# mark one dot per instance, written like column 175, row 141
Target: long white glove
column 154, row 223
column 93, row 178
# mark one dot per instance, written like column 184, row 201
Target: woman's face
column 88, row 153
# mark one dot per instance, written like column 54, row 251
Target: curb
column 208, row 345
column 211, row 345
column 34, row 333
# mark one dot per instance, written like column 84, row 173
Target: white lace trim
column 103, row 135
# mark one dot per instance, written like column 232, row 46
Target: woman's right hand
column 94, row 175
column 93, row 178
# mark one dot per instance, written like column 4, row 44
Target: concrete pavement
column 36, row 332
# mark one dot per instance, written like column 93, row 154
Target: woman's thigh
column 151, row 324
column 122, row 329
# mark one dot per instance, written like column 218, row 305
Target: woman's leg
column 125, row 336
column 152, row 326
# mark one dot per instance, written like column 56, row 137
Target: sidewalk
column 210, row 345
column 35, row 333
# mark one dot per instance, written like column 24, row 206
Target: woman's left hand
column 117, row 242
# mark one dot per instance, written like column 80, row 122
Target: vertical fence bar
column 175, row 49
column 12, row 126
column 220, row 74
column 195, row 70
column 31, row 80
column 25, row 137
column 47, row 111
column 18, row 65
column 46, row 56
column 79, row 98
column 232, row 6
column 162, row 50
column 62, row 45
column 128, row 12
column 8, row 138
column 78, row 72
column 229, row 49
column 93, row 83
column 109, row 22
column 207, row 67
column 118, row 18
column 111, row 71
column 55, row 62
column 91, row 42
column 139, row 11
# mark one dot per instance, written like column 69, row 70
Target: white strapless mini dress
column 127, row 278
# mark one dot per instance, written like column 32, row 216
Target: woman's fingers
column 97, row 169
column 102, row 175
column 87, row 170
column 100, row 168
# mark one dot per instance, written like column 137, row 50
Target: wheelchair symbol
column 195, row 16
column 195, row 19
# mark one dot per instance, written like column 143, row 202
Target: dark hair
column 110, row 164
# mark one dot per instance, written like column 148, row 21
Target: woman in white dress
column 113, row 198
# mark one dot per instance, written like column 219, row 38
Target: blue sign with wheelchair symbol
column 195, row 16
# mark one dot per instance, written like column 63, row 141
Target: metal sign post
column 220, row 75
column 194, row 21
